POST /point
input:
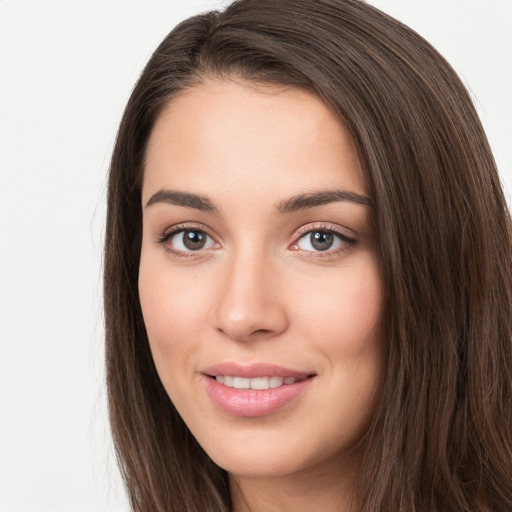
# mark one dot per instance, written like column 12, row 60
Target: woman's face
column 259, row 270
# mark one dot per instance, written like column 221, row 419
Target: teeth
column 241, row 383
column 258, row 383
column 275, row 382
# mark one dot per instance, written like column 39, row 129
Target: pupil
column 321, row 240
column 194, row 240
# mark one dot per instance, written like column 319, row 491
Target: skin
column 259, row 291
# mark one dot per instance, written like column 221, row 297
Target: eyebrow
column 295, row 203
column 188, row 200
column 305, row 201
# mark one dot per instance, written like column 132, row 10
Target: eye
column 188, row 240
column 323, row 240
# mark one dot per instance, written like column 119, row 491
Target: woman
column 308, row 279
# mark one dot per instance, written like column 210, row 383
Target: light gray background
column 66, row 70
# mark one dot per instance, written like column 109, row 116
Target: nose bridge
column 249, row 304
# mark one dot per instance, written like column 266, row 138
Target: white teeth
column 275, row 382
column 260, row 383
column 241, row 383
column 257, row 383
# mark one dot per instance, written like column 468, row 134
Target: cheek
column 173, row 313
column 346, row 310
column 171, row 303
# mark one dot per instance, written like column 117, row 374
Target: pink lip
column 250, row 402
column 253, row 370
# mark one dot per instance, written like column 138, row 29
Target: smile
column 256, row 383
column 255, row 390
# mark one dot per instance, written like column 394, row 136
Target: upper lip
column 253, row 370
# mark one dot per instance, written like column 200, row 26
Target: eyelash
column 347, row 241
column 181, row 228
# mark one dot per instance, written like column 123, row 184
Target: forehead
column 239, row 136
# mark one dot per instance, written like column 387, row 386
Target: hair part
column 441, row 435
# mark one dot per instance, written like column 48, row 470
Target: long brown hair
column 441, row 436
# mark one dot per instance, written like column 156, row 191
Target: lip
column 254, row 370
column 249, row 402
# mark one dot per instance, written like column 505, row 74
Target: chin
column 256, row 466
column 281, row 456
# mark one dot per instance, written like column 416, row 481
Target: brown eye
column 188, row 240
column 194, row 240
column 321, row 240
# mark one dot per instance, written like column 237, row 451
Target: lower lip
column 250, row 402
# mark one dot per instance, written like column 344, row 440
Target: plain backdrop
column 66, row 70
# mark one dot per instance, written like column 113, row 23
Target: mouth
column 255, row 390
column 256, row 383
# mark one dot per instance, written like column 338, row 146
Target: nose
column 250, row 302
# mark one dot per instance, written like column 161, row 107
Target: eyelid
column 183, row 226
column 326, row 226
column 345, row 234
column 173, row 230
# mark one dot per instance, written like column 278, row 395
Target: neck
column 327, row 489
